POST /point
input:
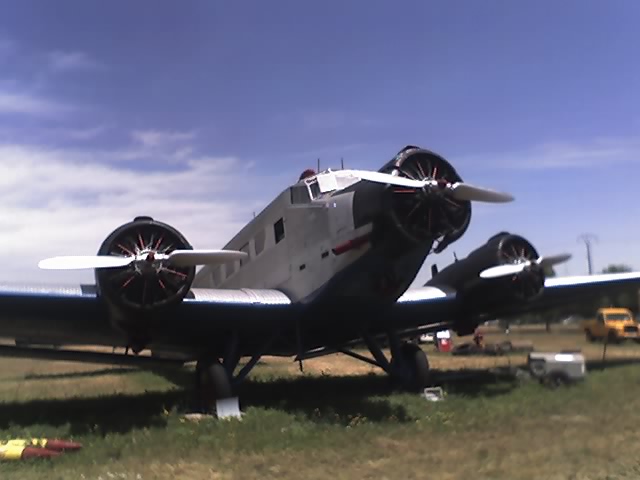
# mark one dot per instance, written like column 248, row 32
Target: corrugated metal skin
column 242, row 296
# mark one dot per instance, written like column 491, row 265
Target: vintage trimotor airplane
column 325, row 266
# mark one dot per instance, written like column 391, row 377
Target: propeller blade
column 459, row 191
column 503, row 270
column 512, row 269
column 553, row 259
column 84, row 262
column 379, row 177
column 464, row 191
column 188, row 258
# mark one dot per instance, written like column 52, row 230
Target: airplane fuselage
column 316, row 247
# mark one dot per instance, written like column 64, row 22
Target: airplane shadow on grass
column 321, row 399
column 324, row 399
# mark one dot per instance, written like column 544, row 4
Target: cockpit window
column 314, row 188
column 300, row 194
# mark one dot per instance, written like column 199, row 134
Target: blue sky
column 199, row 112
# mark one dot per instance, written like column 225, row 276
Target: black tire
column 556, row 380
column 212, row 384
column 590, row 338
column 612, row 337
column 416, row 361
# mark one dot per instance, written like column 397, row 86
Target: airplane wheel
column 415, row 360
column 212, row 384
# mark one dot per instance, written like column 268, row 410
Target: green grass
column 320, row 426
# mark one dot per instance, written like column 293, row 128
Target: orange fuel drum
column 48, row 443
column 17, row 452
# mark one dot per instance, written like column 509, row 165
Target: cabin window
column 245, row 249
column 278, row 229
column 300, row 194
column 258, row 242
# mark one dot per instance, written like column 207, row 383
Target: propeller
column 515, row 268
column 181, row 258
column 458, row 190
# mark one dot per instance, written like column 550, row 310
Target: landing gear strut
column 215, row 380
column 213, row 383
column 409, row 366
column 414, row 372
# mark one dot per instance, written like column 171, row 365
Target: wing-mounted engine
column 506, row 270
column 527, row 283
column 145, row 285
column 143, row 270
column 428, row 214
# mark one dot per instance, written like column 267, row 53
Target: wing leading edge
column 76, row 315
column 429, row 305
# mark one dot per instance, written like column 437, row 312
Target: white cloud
column 600, row 151
column 67, row 61
column 157, row 138
column 27, row 104
column 60, row 202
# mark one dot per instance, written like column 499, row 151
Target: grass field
column 337, row 420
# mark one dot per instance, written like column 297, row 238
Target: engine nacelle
column 425, row 216
column 501, row 249
column 143, row 288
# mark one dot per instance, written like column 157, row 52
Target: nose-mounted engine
column 428, row 215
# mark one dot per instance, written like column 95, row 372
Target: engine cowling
column 427, row 215
column 528, row 284
column 481, row 297
column 143, row 288
column 501, row 249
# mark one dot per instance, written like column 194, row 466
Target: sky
column 198, row 113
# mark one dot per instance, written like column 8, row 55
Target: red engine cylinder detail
column 529, row 283
column 145, row 285
column 427, row 215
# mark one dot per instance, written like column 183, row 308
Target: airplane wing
column 439, row 304
column 77, row 315
column 561, row 291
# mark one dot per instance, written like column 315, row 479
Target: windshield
column 618, row 316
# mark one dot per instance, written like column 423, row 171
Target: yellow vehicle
column 612, row 324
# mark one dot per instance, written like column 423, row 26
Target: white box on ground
column 434, row 394
column 565, row 367
column 228, row 408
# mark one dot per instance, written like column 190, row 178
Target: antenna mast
column 587, row 238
